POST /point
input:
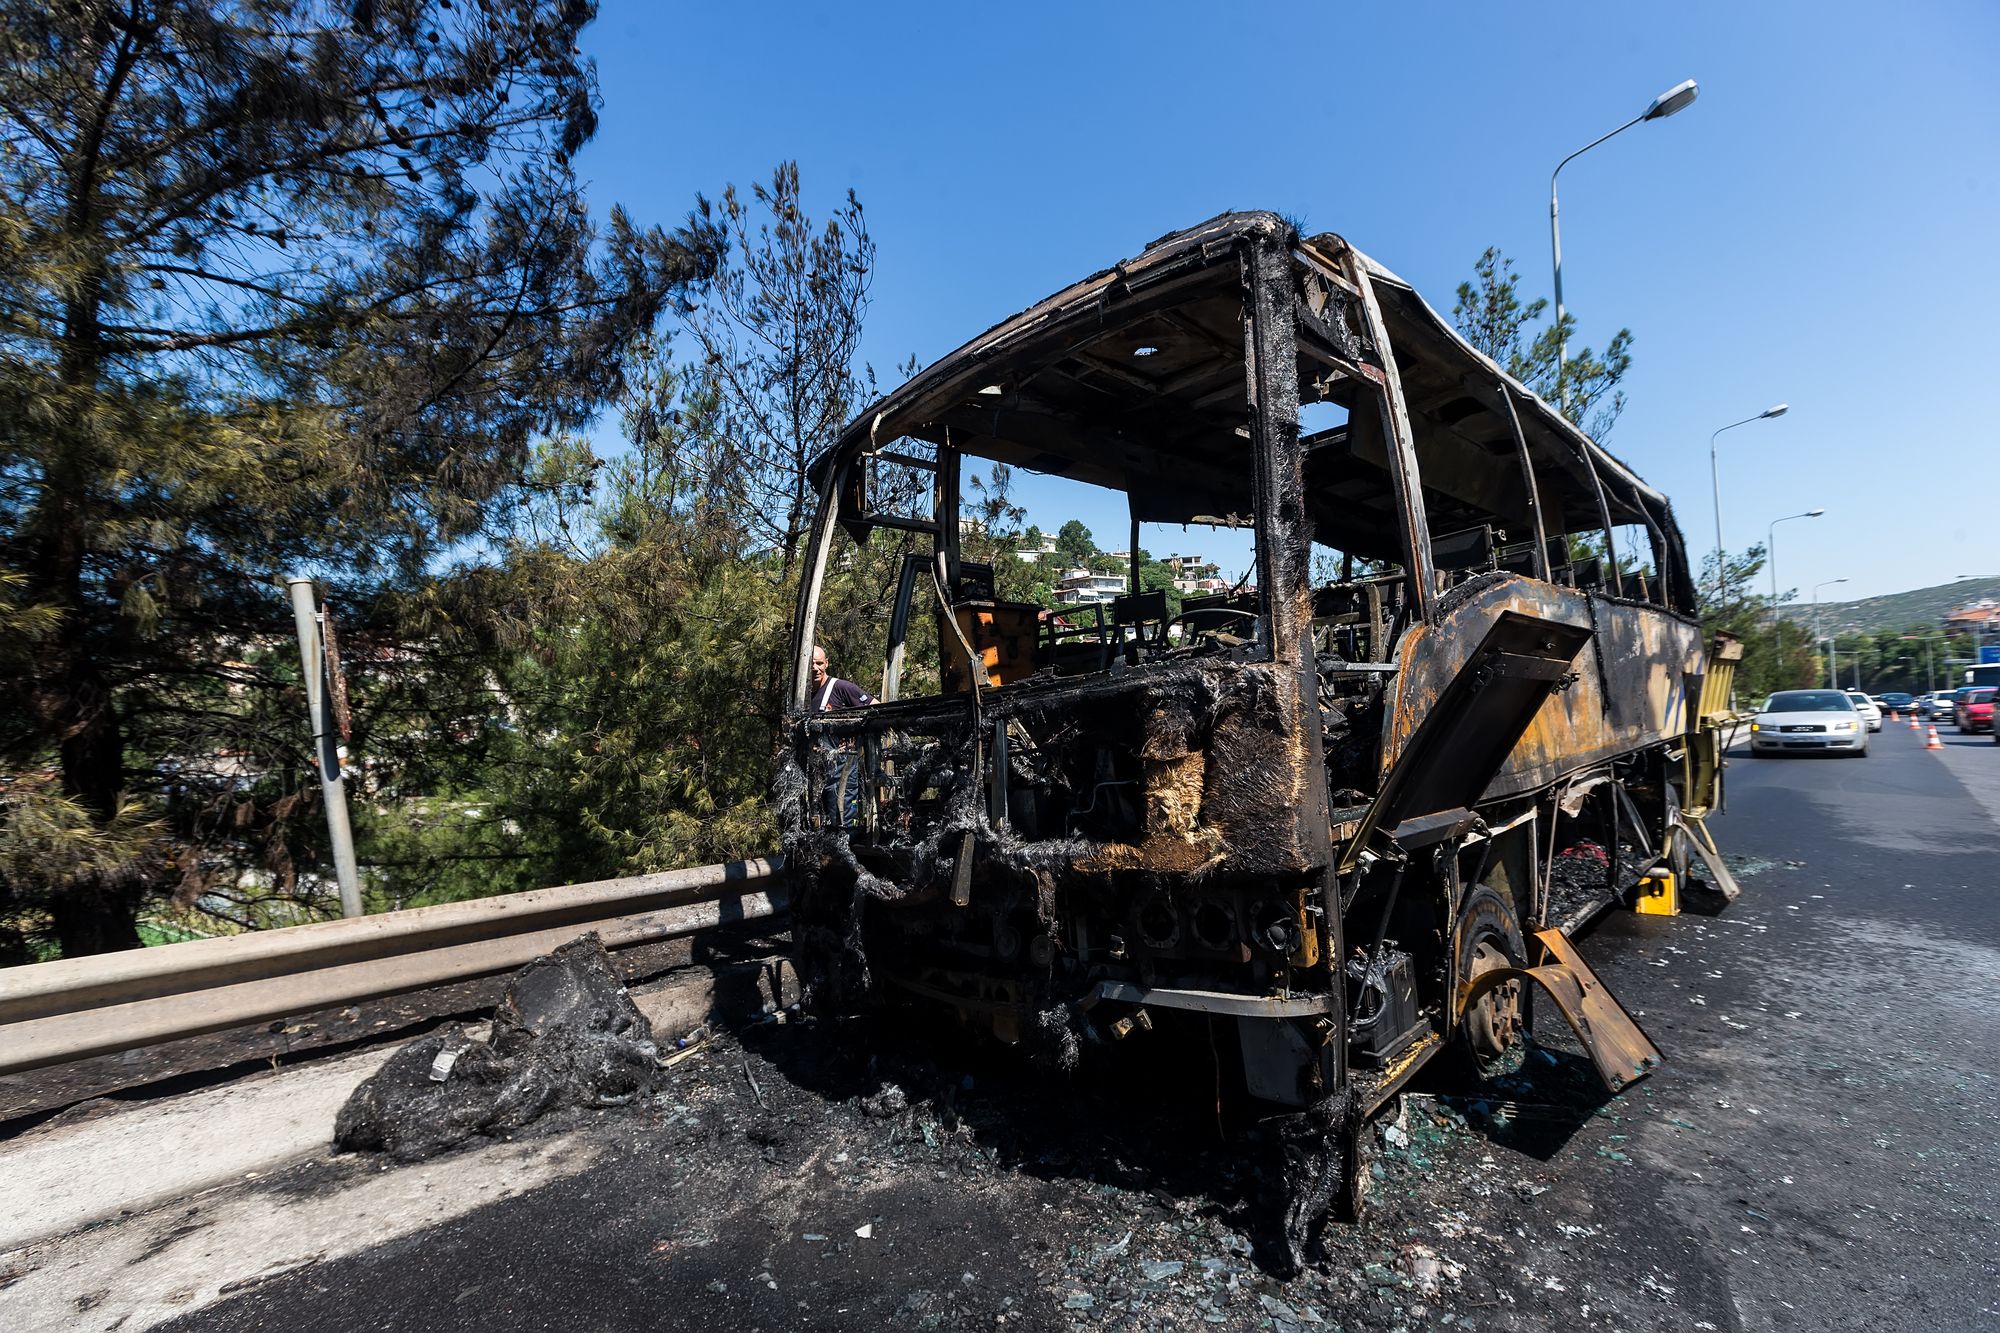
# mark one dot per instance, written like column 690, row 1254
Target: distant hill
column 1925, row 606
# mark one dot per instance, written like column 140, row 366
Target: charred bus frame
column 1336, row 817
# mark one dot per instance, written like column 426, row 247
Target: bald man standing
column 840, row 791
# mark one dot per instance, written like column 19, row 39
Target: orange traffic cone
column 1895, row 716
column 1931, row 742
column 1913, row 722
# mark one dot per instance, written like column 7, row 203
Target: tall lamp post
column 1930, row 664
column 1832, row 677
column 1771, row 550
column 1676, row 98
column 1715, row 480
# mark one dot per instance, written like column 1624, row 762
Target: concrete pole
column 1815, row 622
column 1832, row 675
column 312, row 660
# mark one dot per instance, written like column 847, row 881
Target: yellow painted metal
column 1702, row 782
column 1372, row 1091
column 1659, row 895
column 1724, row 652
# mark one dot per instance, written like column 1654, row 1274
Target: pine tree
column 1584, row 387
column 283, row 284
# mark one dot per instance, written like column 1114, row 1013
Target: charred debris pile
column 565, row 1035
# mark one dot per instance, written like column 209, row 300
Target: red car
column 1975, row 713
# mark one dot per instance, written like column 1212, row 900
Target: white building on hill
column 1079, row 587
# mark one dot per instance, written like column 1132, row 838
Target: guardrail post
column 312, row 658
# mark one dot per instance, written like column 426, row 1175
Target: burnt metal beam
column 1527, row 463
column 1402, row 450
column 821, row 544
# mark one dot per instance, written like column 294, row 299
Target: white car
column 1808, row 721
column 1871, row 712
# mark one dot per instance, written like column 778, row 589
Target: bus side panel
column 1631, row 689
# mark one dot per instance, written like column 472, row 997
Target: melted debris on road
column 845, row 1160
column 1143, row 1216
column 565, row 1034
column 854, row 1164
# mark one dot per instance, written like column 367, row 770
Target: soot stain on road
column 804, row 1178
column 1828, row 1113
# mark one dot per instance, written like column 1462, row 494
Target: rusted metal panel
column 1621, row 1052
column 1630, row 691
column 1468, row 730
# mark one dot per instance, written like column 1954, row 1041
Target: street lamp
column 1715, row 480
column 1831, row 677
column 1854, row 654
column 1676, row 98
column 1930, row 666
column 1771, row 551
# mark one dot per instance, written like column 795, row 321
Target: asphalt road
column 1821, row 1152
column 1833, row 1040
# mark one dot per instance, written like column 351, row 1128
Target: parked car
column 1976, row 713
column 1801, row 721
column 1956, row 711
column 1870, row 711
column 1895, row 701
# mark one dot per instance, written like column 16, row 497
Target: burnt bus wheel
column 1494, row 1026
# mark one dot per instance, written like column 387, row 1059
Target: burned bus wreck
column 1335, row 821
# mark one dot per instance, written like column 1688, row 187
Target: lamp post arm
column 1586, row 148
column 1771, row 559
column 1771, row 553
column 1556, row 254
column 1715, row 484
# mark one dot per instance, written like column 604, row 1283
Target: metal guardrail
column 73, row 1008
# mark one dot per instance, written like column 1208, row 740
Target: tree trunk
column 93, row 917
column 70, row 696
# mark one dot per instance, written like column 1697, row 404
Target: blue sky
column 1819, row 228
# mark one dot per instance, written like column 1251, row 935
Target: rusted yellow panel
column 1002, row 633
column 1618, row 1047
column 1723, row 655
column 1579, row 725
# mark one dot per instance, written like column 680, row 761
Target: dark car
column 1975, row 709
column 1895, row 701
